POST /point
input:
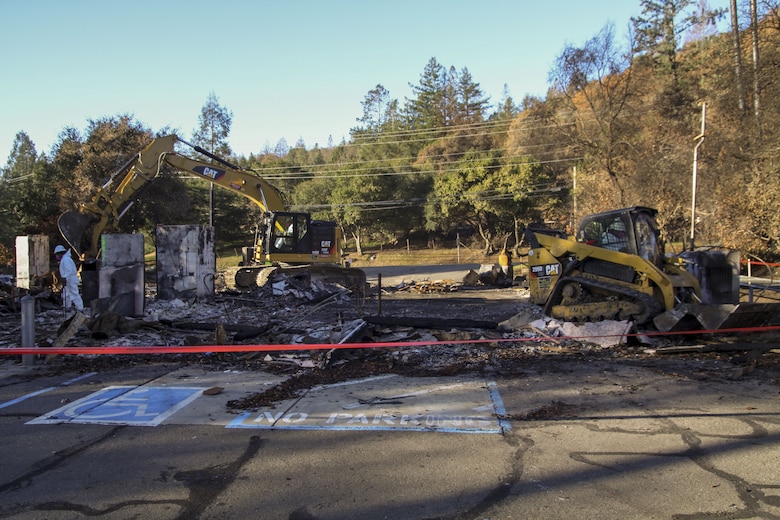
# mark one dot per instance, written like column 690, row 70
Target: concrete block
column 121, row 250
column 122, row 304
column 89, row 281
column 123, row 284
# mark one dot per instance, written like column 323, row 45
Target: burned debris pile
column 444, row 328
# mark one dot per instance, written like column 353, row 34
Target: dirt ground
column 440, row 310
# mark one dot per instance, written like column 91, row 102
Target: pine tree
column 425, row 110
column 659, row 32
column 472, row 103
column 375, row 109
column 14, row 185
column 212, row 135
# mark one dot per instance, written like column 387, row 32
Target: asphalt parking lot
column 584, row 437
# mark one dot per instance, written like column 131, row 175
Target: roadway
column 394, row 275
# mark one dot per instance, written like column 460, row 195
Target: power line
column 315, row 170
column 15, row 180
column 534, row 190
column 423, row 132
column 310, row 176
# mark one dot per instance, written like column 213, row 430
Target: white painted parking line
column 457, row 405
column 129, row 405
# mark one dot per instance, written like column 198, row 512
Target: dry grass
column 420, row 256
column 394, row 256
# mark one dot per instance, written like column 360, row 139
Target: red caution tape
column 220, row 348
column 166, row 349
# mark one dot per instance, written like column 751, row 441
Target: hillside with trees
column 620, row 125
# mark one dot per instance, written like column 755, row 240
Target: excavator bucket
column 74, row 227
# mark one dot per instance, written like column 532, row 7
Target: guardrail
column 752, row 283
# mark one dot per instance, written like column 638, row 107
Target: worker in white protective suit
column 70, row 276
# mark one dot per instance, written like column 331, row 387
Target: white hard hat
column 59, row 249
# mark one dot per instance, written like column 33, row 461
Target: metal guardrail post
column 28, row 328
column 379, row 295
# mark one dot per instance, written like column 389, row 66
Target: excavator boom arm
column 244, row 183
column 117, row 195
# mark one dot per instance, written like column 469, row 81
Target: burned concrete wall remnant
column 121, row 274
column 32, row 260
column 186, row 262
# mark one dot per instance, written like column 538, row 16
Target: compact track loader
column 615, row 268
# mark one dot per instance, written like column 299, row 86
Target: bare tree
column 741, row 103
column 756, row 67
column 597, row 83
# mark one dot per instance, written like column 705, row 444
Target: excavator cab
column 289, row 233
column 296, row 246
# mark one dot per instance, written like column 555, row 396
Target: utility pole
column 700, row 139
column 574, row 199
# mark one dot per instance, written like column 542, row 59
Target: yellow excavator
column 615, row 268
column 291, row 241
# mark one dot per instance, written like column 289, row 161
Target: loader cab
column 629, row 230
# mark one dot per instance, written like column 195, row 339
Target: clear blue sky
column 284, row 69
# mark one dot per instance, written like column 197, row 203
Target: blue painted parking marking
column 44, row 390
column 128, row 405
column 380, row 403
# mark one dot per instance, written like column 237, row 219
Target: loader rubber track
column 595, row 291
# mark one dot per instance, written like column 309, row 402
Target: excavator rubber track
column 594, row 300
column 257, row 276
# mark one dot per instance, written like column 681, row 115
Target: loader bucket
column 691, row 316
column 74, row 227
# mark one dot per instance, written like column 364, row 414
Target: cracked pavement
column 589, row 437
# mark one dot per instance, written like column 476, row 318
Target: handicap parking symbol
column 130, row 405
